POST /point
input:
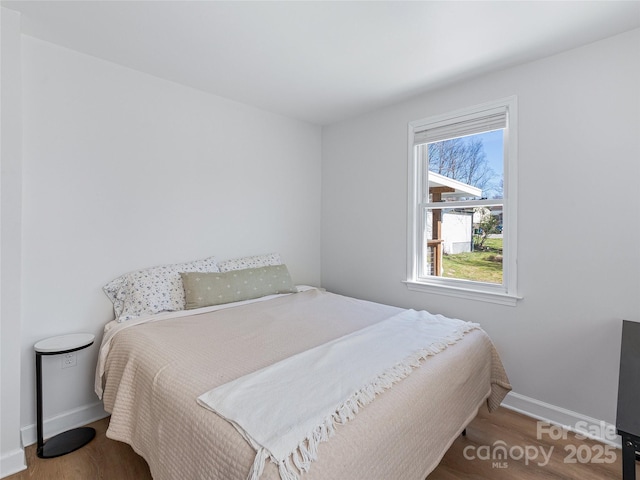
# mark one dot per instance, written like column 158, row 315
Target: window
column 462, row 203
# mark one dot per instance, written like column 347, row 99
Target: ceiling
column 322, row 61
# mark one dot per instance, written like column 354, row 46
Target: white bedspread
column 286, row 409
column 153, row 372
column 114, row 327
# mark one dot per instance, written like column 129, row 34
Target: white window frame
column 505, row 293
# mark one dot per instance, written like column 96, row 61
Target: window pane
column 470, row 167
column 462, row 177
column 463, row 243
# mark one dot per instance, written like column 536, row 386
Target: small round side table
column 70, row 440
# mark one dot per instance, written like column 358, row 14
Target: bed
column 152, row 370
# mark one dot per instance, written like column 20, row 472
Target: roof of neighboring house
column 452, row 189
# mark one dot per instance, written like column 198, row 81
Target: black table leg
column 62, row 443
column 630, row 445
column 39, row 403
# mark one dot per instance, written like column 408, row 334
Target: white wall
column 579, row 255
column 12, row 457
column 122, row 170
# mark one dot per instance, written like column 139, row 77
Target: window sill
column 499, row 298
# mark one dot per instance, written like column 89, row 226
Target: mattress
column 153, row 372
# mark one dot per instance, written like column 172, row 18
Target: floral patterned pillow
column 153, row 290
column 254, row 261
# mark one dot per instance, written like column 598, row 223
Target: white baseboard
column 12, row 462
column 77, row 417
column 575, row 422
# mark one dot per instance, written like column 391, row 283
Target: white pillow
column 254, row 261
column 153, row 290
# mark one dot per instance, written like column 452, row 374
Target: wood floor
column 468, row 458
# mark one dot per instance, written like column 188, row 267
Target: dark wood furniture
column 628, row 416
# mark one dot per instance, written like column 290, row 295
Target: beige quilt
column 155, row 371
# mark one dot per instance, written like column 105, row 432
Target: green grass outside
column 480, row 266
